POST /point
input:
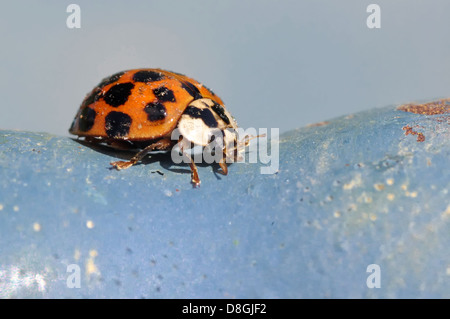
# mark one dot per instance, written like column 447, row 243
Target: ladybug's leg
column 195, row 180
column 223, row 166
column 222, row 163
column 162, row 144
column 194, row 173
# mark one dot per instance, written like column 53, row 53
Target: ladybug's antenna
column 242, row 144
column 246, row 140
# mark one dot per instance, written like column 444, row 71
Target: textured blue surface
column 351, row 192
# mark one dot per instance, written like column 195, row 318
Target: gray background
column 275, row 63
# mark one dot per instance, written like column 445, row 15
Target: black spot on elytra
column 118, row 94
column 220, row 110
column 117, row 124
column 147, row 76
column 155, row 111
column 204, row 114
column 92, row 97
column 164, row 94
column 96, row 93
column 111, row 79
column 191, row 89
column 86, row 119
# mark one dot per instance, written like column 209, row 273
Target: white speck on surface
column 324, row 159
column 13, row 279
column 355, row 182
column 37, row 227
column 411, row 194
column 168, row 193
column 91, row 267
column 447, row 211
column 77, row 254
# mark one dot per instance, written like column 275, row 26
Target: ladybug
column 140, row 108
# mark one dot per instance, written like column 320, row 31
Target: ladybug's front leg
column 162, row 144
column 195, row 180
column 222, row 163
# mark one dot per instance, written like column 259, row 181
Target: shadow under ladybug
column 126, row 151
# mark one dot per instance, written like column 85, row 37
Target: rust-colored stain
column 443, row 119
column 431, row 108
column 323, row 123
column 409, row 130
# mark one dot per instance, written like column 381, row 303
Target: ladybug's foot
column 122, row 165
column 223, row 166
column 195, row 180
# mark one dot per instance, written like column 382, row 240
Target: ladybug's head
column 205, row 121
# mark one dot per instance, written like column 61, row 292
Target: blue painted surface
column 352, row 192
